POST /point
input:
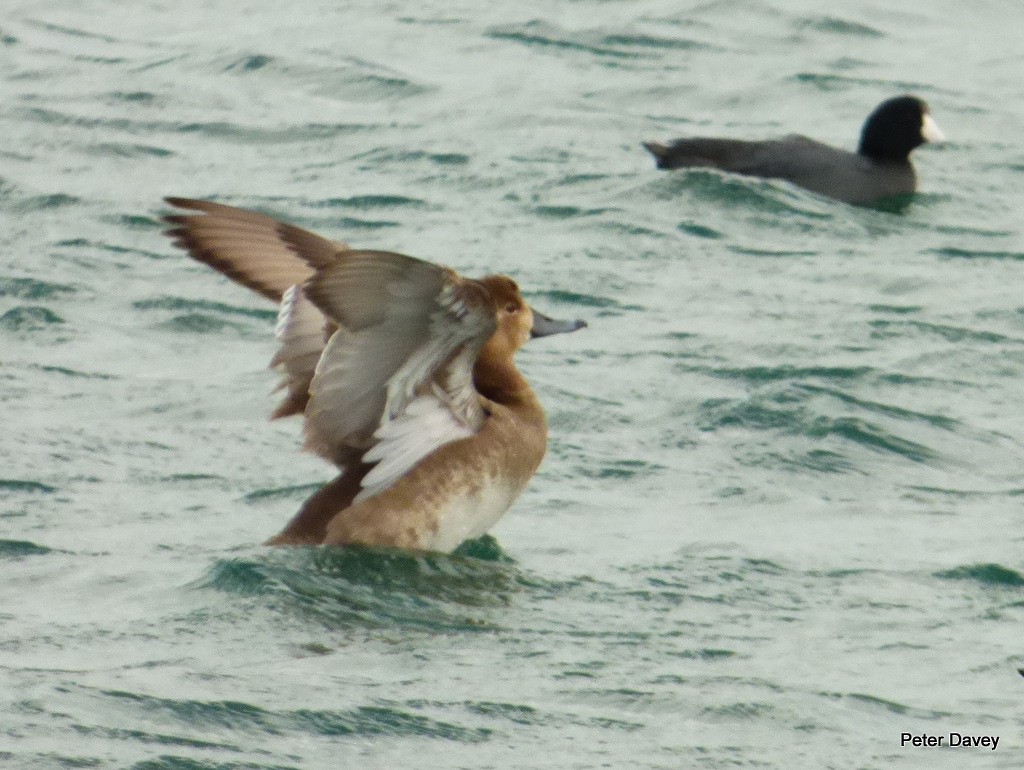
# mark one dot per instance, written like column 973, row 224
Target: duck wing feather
column 396, row 379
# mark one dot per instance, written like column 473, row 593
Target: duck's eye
column 512, row 307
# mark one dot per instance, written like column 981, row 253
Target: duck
column 880, row 168
column 403, row 372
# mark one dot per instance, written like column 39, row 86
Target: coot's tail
column 659, row 151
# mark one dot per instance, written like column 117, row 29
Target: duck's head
column 518, row 323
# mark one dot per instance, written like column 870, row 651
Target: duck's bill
column 545, row 326
column 930, row 130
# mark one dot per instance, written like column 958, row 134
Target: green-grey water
column 779, row 523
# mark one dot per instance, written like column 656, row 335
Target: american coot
column 404, row 372
column 879, row 169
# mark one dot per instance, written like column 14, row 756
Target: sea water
column 780, row 520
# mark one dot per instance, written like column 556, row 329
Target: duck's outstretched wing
column 396, row 379
column 252, row 249
column 377, row 348
column 273, row 259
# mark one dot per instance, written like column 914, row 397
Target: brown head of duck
column 495, row 372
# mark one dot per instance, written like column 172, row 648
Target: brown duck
column 404, row 372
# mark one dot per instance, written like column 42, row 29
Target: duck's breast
column 470, row 511
column 455, row 493
column 493, row 469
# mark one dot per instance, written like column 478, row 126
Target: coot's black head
column 896, row 127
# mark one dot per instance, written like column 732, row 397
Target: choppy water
column 780, row 522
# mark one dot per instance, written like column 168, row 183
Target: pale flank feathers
column 426, row 423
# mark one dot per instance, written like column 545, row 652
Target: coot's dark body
column 880, row 168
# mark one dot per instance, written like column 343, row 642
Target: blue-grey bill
column 545, row 326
